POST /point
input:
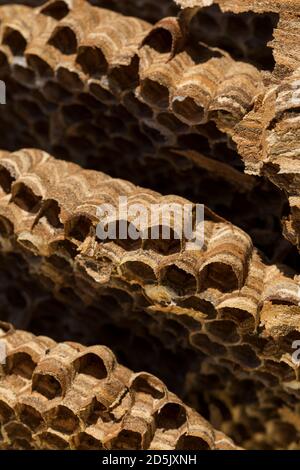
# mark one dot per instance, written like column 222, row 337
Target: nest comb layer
column 91, row 94
column 150, row 10
column 67, row 396
column 240, row 408
column 223, row 301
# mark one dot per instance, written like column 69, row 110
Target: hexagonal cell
column 245, row 356
column 178, row 279
column 85, row 441
column 171, row 416
column 63, row 419
column 190, row 442
column 46, row 385
column 224, row 331
column 21, row 363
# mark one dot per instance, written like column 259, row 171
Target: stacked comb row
column 189, row 99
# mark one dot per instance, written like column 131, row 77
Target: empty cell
column 219, row 276
column 92, row 60
column 50, row 210
column 6, row 179
column 78, row 227
column 283, row 433
column 267, row 379
column 56, row 9
column 24, row 197
column 18, row 431
column 39, row 65
column 127, row 440
column 91, row 364
column 281, row 370
column 178, row 279
column 161, row 245
column 154, row 93
column 30, row 109
column 55, row 93
column 244, row 319
column 23, row 74
column 51, row 441
column 47, row 385
column 69, row 79
column 136, row 107
column 21, row 364
column 64, row 39
column 188, row 442
column 63, row 419
column 171, row 122
column 30, row 416
column 125, row 77
column 103, row 95
column 138, row 270
column 202, row 342
column 200, row 305
column 245, row 356
column 14, row 40
column 84, row 441
column 189, row 322
column 159, row 39
column 225, row 331
column 149, row 385
column 175, row 328
column 188, row 110
column 6, row 412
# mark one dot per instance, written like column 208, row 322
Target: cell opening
column 92, row 60
column 188, row 110
column 15, row 41
column 91, row 364
column 159, row 39
column 64, row 39
column 85, row 441
column 180, row 280
column 187, row 442
column 21, row 364
column 47, row 385
column 245, row 356
column 127, row 440
column 154, row 93
column 57, row 10
column 78, row 227
column 30, row 416
column 138, row 270
column 6, row 180
column 64, row 420
column 39, row 65
column 171, row 416
column 24, row 197
column 219, row 276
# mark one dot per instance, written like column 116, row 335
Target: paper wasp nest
column 67, row 396
column 197, row 99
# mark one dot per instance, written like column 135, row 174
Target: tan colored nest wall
column 222, row 301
